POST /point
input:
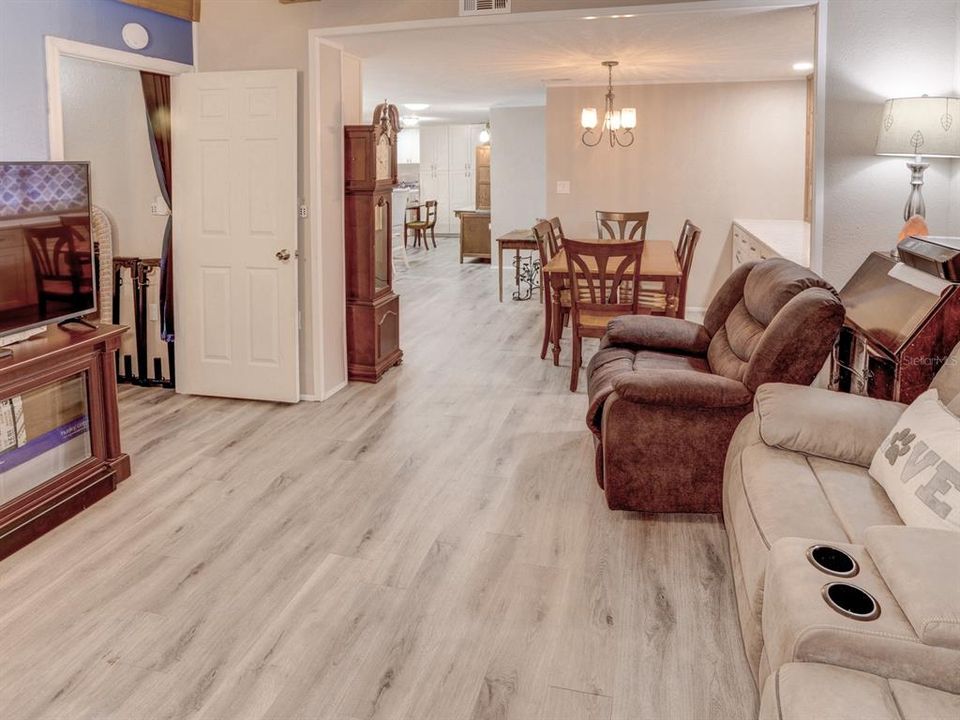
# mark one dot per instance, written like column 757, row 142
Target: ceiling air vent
column 484, row 7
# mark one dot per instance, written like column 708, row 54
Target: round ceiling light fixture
column 416, row 107
column 409, row 121
column 135, row 36
column 485, row 134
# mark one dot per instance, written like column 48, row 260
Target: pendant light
column 617, row 124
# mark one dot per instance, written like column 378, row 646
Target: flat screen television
column 47, row 263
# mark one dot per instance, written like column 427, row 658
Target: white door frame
column 324, row 385
column 57, row 48
column 327, row 36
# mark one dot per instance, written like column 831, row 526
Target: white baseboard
column 333, row 391
column 304, row 397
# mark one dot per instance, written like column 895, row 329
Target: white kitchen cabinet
column 447, row 172
column 408, row 146
column 434, row 150
column 762, row 239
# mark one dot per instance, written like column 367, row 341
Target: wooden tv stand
column 66, row 454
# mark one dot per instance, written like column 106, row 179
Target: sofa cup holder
column 832, row 561
column 851, row 601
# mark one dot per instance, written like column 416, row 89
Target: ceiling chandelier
column 618, row 124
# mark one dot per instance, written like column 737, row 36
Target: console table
column 59, row 430
column 518, row 240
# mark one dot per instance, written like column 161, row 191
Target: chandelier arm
column 629, row 132
column 583, row 138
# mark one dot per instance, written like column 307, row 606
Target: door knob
column 283, row 255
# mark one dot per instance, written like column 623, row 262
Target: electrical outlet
column 563, row 187
column 154, row 312
column 303, row 211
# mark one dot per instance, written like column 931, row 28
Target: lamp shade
column 588, row 118
column 628, row 117
column 928, row 126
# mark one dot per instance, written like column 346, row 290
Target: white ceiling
column 462, row 71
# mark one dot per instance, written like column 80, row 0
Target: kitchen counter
column 761, row 239
column 482, row 212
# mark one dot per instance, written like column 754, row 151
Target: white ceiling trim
column 681, row 8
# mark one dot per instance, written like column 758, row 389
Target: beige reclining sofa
column 796, row 478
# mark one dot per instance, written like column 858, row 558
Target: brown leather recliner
column 667, row 394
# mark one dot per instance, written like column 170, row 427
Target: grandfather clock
column 373, row 308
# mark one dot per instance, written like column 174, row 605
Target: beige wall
column 867, row 61
column 870, row 57
column 105, row 122
column 517, row 169
column 710, row 152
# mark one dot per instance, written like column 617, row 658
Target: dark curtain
column 156, row 96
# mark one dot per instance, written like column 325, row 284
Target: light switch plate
column 563, row 187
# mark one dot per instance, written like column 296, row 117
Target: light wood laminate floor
column 434, row 547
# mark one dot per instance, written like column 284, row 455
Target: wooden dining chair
column 686, row 247
column 548, row 245
column 597, row 273
column 62, row 266
column 655, row 299
column 421, row 226
column 621, row 225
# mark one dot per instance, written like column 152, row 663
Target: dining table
column 658, row 263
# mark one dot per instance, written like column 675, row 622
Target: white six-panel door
column 234, row 144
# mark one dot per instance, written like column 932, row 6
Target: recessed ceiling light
column 628, row 16
column 803, row 66
column 589, row 17
column 416, row 106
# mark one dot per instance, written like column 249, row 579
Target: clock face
column 383, row 158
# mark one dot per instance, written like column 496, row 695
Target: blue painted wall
column 23, row 79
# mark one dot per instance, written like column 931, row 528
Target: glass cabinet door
column 43, row 433
column 381, row 244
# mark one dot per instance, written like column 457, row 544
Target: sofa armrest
column 650, row 332
column 824, row 423
column 682, row 388
column 919, row 565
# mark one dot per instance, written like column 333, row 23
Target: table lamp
column 919, row 127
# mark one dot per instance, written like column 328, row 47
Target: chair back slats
column 557, row 229
column 621, row 225
column 431, row 212
column 57, row 259
column 605, row 276
column 547, row 243
column 686, row 246
column 689, row 237
column 53, row 253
